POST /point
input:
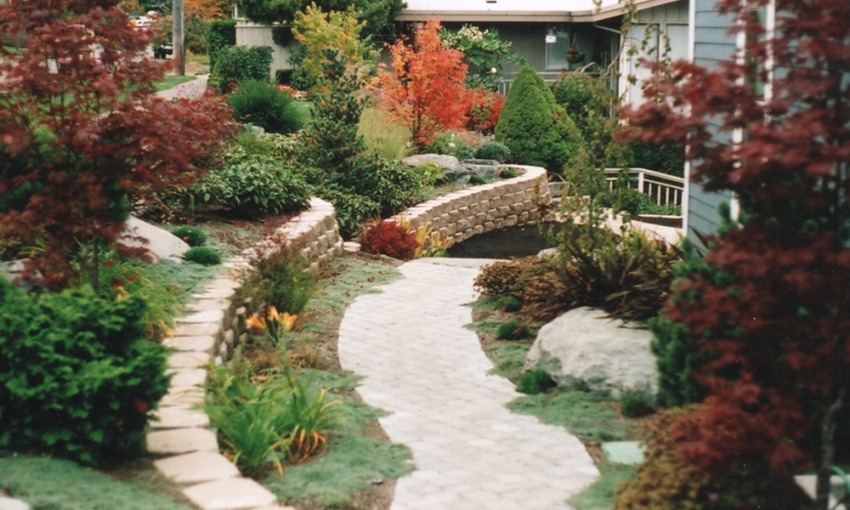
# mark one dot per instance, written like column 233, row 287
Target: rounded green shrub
column 236, row 64
column 78, row 378
column 536, row 130
column 193, row 236
column 251, row 187
column 493, row 150
column 535, row 382
column 514, row 329
column 509, row 303
column 635, row 404
column 448, row 143
column 262, row 104
column 203, row 255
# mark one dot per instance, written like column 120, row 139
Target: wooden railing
column 661, row 188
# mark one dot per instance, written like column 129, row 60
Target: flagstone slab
column 230, row 494
column 179, row 417
column 197, row 467
column 182, row 441
column 204, row 343
column 188, row 359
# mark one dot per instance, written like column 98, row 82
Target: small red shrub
column 389, row 238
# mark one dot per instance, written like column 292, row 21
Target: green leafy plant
column 78, row 379
column 493, row 150
column 389, row 238
column 484, row 52
column 260, row 103
column 193, row 236
column 448, row 143
column 509, row 303
column 535, row 382
column 235, row 64
column 536, row 129
column 280, row 279
column 251, row 187
column 431, row 174
column 203, row 255
column 508, row 173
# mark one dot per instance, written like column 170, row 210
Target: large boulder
column 161, row 244
column 584, row 346
column 487, row 169
column 455, row 172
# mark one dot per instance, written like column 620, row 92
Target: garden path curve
column 428, row 372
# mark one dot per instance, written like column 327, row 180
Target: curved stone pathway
column 422, row 366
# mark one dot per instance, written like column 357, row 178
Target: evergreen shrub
column 221, row 34
column 203, row 255
column 535, row 382
column 236, row 64
column 78, row 379
column 534, row 127
column 260, row 103
column 493, row 150
column 193, row 236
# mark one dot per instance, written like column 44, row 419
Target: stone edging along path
column 182, row 438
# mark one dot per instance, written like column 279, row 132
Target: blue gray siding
column 712, row 44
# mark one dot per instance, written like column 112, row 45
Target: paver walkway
column 189, row 90
column 422, row 366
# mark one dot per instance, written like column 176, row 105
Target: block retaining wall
column 469, row 212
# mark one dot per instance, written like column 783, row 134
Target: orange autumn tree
column 424, row 87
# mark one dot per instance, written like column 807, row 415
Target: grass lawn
column 171, row 81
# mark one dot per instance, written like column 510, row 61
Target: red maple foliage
column 424, row 87
column 82, row 133
column 391, row 239
column 772, row 126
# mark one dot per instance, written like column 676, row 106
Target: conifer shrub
column 493, row 150
column 221, row 34
column 535, row 382
column 391, row 239
column 499, row 278
column 203, row 255
column 193, row 236
column 260, row 103
column 534, row 127
column 513, row 329
column 78, row 378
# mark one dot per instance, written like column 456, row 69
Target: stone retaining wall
column 465, row 213
column 182, row 436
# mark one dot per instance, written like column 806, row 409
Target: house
column 544, row 31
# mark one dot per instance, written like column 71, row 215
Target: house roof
column 553, row 11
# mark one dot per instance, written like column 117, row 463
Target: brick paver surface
column 422, row 366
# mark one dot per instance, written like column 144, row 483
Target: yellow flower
column 287, row 321
column 255, row 323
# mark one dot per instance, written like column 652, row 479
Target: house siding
column 712, row 44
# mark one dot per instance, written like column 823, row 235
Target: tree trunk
column 178, row 36
column 828, row 425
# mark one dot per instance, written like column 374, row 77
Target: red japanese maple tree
column 82, row 133
column 424, row 87
column 778, row 324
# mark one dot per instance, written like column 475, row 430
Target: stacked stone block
column 465, row 213
column 181, row 436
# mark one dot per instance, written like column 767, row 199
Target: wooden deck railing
column 661, row 188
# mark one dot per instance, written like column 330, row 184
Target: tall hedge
column 221, row 34
column 536, row 130
column 236, row 64
column 78, row 378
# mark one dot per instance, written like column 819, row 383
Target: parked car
column 163, row 51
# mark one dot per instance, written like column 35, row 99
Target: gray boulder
column 583, row 346
column 484, row 168
column 455, row 172
column 161, row 243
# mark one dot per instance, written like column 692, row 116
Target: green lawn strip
column 58, row 484
column 350, row 464
column 600, row 495
column 171, row 81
